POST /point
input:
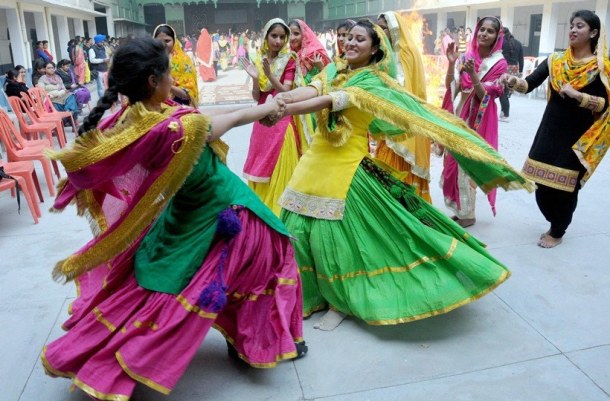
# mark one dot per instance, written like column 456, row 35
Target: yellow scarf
column 278, row 64
column 593, row 144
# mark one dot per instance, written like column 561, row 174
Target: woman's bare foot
column 545, row 233
column 330, row 320
column 549, row 242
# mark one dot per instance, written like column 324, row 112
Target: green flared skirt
column 393, row 258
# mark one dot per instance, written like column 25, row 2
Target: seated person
column 82, row 94
column 15, row 82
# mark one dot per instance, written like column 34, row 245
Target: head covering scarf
column 310, row 46
column 340, row 53
column 399, row 115
column 182, row 68
column 277, row 64
column 407, row 54
column 473, row 51
column 563, row 69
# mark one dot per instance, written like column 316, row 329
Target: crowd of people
column 181, row 244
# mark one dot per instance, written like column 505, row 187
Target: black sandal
column 301, row 350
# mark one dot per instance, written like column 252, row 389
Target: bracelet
column 479, row 84
column 584, row 102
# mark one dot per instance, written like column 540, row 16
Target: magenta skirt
column 120, row 333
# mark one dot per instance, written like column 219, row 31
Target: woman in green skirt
column 367, row 245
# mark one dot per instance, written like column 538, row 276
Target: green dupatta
column 399, row 114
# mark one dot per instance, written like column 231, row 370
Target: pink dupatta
column 310, row 46
column 121, row 176
column 480, row 114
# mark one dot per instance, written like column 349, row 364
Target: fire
column 435, row 67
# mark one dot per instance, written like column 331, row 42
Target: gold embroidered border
column 151, row 204
column 552, row 176
column 278, row 358
column 95, row 145
column 144, row 380
column 150, row 324
column 312, row 206
column 505, row 275
column 383, row 270
column 99, row 395
column 102, row 320
column 195, row 309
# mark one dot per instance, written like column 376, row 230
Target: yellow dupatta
column 593, row 144
column 415, row 150
column 182, row 68
column 279, row 63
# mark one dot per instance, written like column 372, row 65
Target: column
column 548, row 29
column 507, row 15
column 64, row 37
column 92, row 28
column 601, row 9
column 19, row 50
column 472, row 14
column 49, row 33
column 79, row 29
column 441, row 21
column 110, row 22
column 40, row 22
column 296, row 10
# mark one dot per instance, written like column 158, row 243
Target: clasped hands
column 281, row 100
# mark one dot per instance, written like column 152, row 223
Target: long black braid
column 132, row 65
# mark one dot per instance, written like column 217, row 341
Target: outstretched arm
column 298, row 94
column 223, row 122
column 310, row 105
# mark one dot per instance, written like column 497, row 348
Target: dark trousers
column 557, row 207
column 504, row 103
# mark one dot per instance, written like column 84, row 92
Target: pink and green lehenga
column 181, row 245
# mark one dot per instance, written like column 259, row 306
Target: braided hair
column 132, row 65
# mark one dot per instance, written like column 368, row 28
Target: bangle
column 584, row 102
column 478, row 84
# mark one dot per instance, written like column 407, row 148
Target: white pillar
column 18, row 49
column 64, row 37
column 49, row 33
column 441, row 21
column 92, row 28
column 110, row 22
column 601, row 9
column 507, row 15
column 472, row 14
column 79, row 29
column 548, row 29
column 40, row 22
column 26, row 45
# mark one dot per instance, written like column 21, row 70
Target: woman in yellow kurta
column 367, row 245
column 274, row 151
column 410, row 156
column 185, row 89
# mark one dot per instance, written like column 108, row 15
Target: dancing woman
column 185, row 89
column 367, row 245
column 574, row 133
column 411, row 156
column 342, row 31
column 274, row 151
column 181, row 244
column 473, row 84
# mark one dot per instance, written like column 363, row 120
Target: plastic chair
column 32, row 129
column 41, row 97
column 40, row 117
column 8, row 184
column 37, row 125
column 26, row 171
column 17, row 152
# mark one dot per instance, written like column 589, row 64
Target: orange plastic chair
column 32, row 129
column 17, row 152
column 9, row 184
column 38, row 117
column 26, row 171
column 42, row 99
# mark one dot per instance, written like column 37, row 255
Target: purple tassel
column 214, row 298
column 228, row 224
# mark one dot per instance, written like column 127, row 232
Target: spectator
column 45, row 49
column 40, row 53
column 15, row 82
column 71, row 45
column 513, row 53
column 82, row 95
column 38, row 70
column 54, row 86
column 98, row 62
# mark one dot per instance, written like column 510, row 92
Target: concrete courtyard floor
column 544, row 335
